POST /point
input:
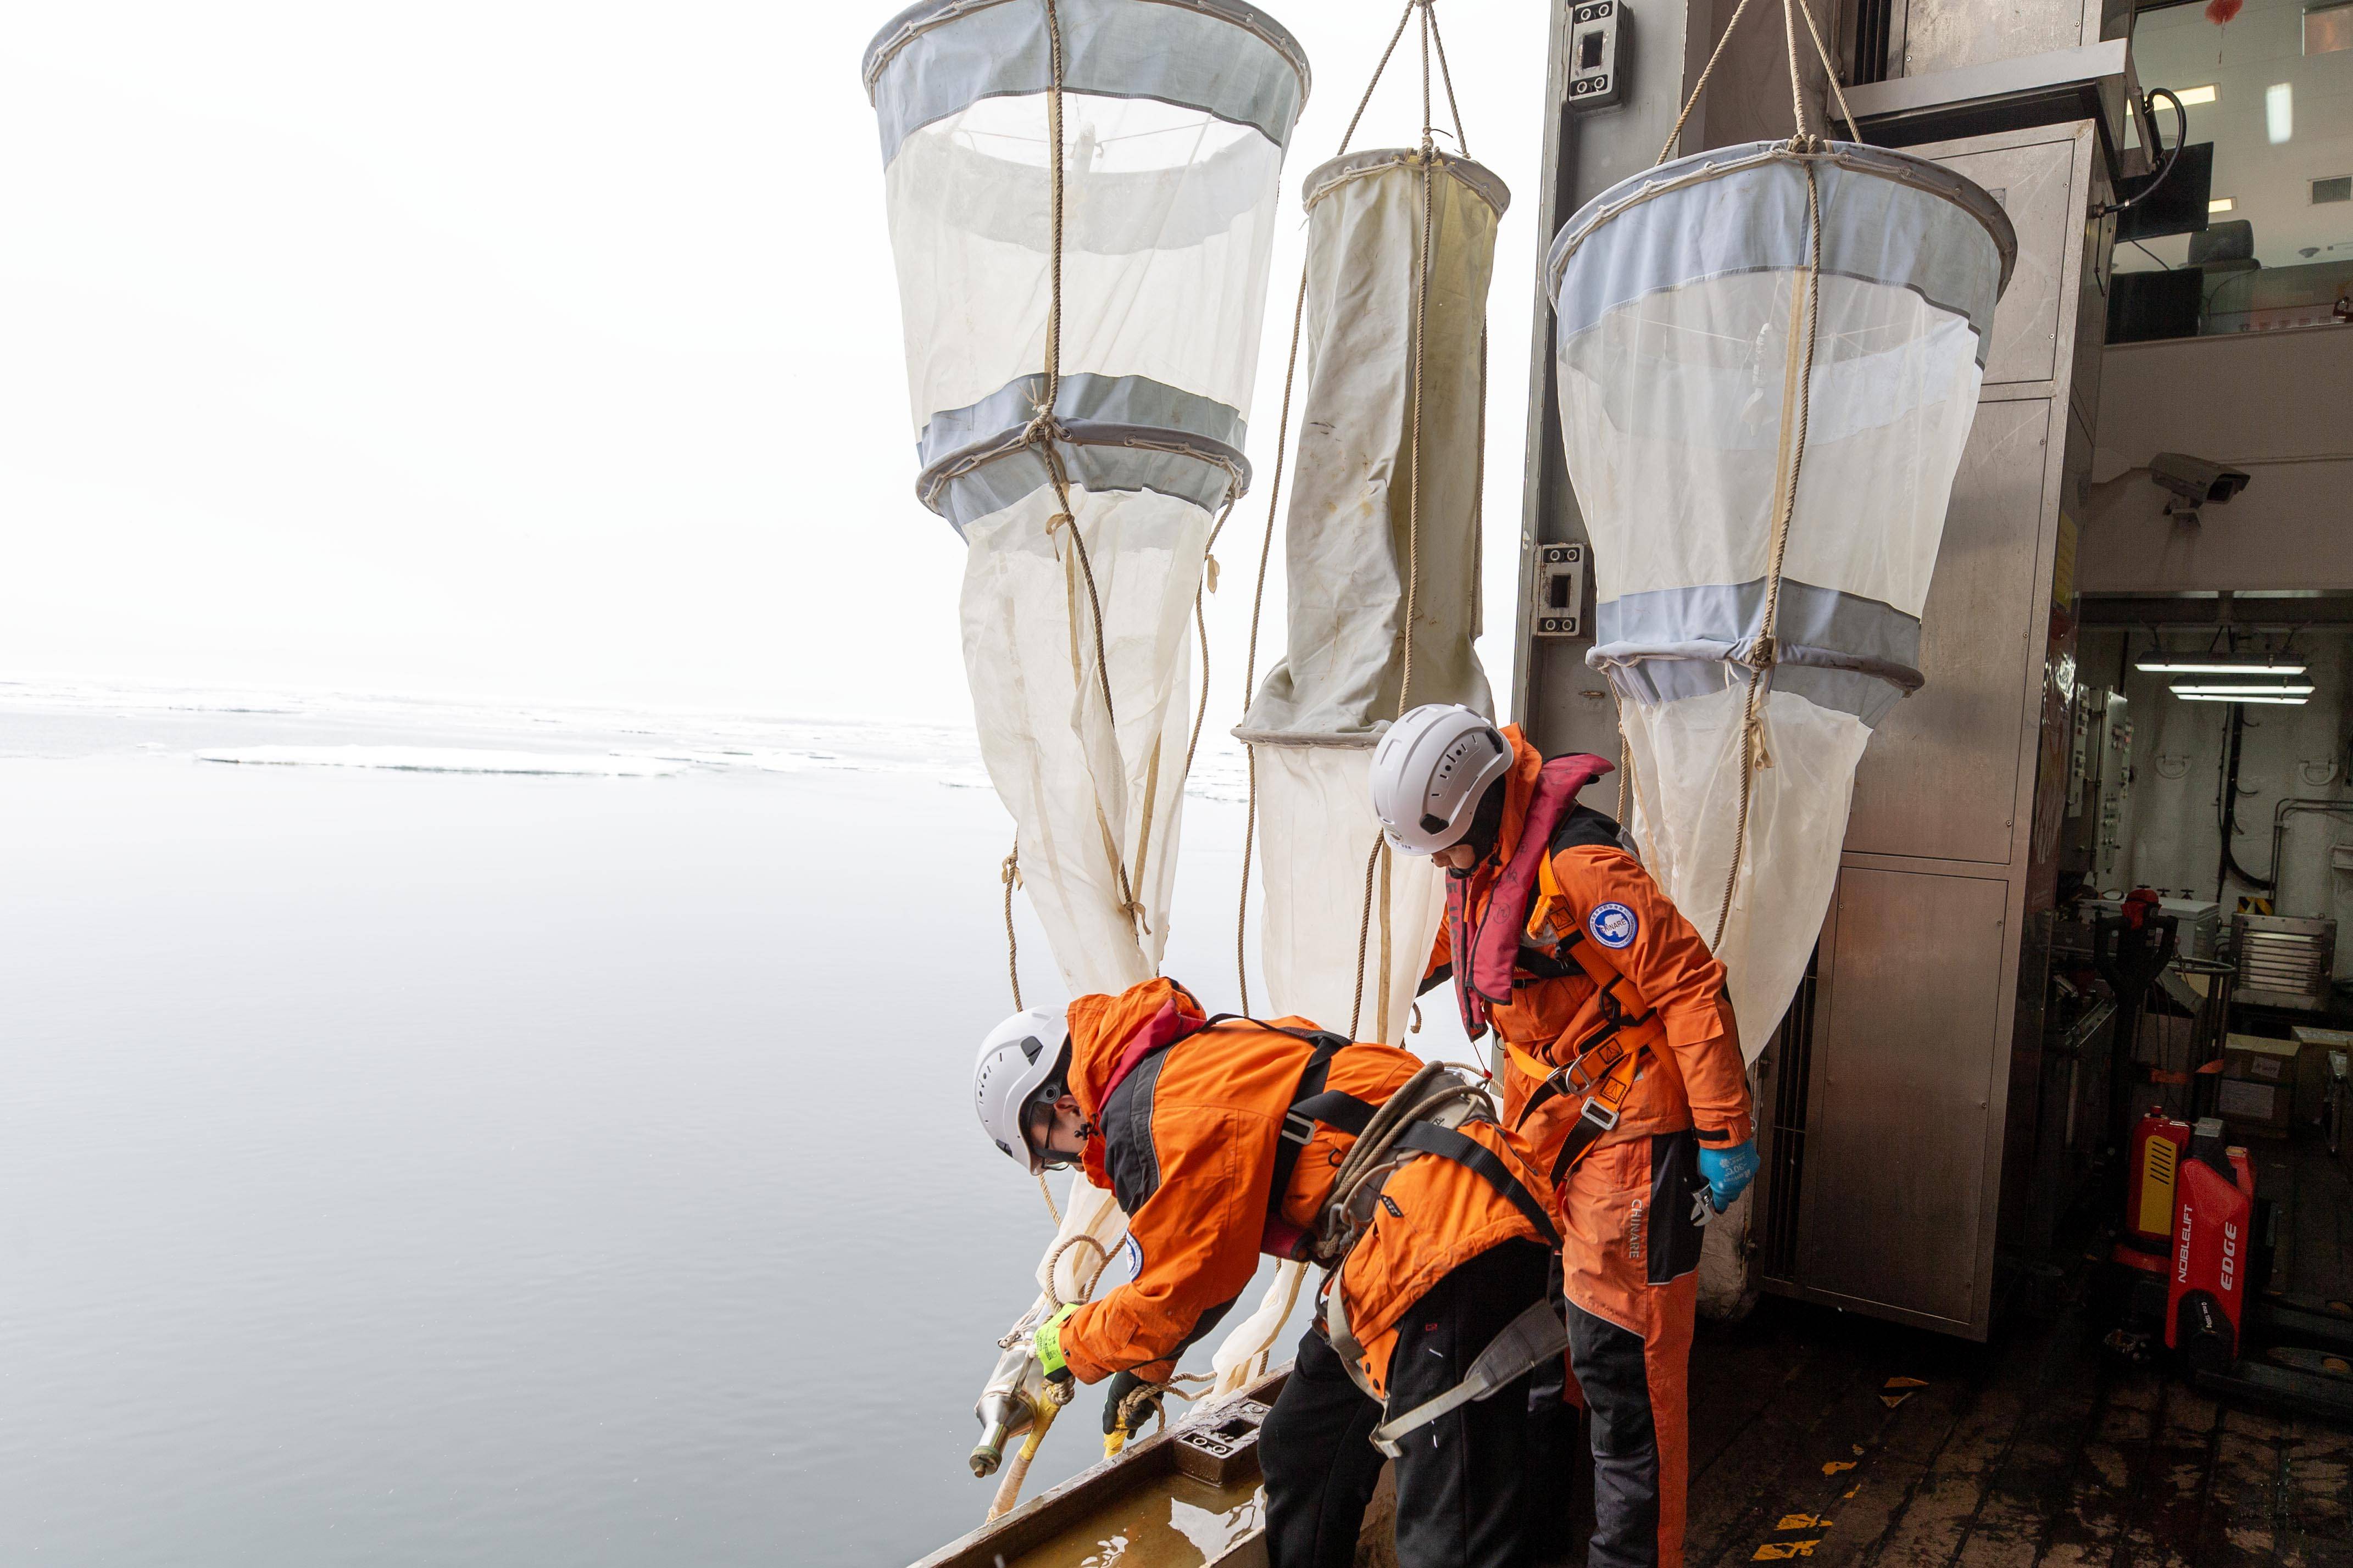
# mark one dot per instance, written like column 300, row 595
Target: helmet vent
column 1433, row 824
column 1030, row 1048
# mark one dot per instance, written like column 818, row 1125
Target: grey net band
column 1838, row 650
column 1221, row 57
column 987, row 478
column 1084, row 398
column 1887, row 218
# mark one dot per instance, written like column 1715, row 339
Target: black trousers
column 1463, row 1490
column 1612, row 1370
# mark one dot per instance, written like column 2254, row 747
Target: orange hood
column 1109, row 1034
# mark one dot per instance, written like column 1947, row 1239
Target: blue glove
column 1728, row 1172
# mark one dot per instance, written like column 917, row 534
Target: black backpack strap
column 1298, row 1120
column 1429, row 1138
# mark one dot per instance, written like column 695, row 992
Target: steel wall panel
column 1940, row 777
column 1896, row 1166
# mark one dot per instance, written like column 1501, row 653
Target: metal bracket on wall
column 1595, row 29
column 1558, row 602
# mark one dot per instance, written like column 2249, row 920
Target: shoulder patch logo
column 1613, row 925
column 1133, row 1251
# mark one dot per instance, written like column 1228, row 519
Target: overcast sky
column 538, row 349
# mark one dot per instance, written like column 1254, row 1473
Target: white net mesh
column 1315, row 812
column 1671, row 413
column 1090, row 801
column 1168, row 217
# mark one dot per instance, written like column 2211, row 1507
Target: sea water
column 508, row 1136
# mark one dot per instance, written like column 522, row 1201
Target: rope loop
column 1054, row 1258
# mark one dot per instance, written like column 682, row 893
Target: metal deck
column 1847, row 1441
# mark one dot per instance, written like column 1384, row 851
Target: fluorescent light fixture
column 2219, row 204
column 2240, row 689
column 2279, row 111
column 2191, row 97
column 2271, row 702
column 2191, row 664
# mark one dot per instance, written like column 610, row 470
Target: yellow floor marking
column 1845, row 1495
column 1802, row 1521
column 1906, row 1383
column 1893, row 1400
column 1856, row 1449
column 1835, row 1465
column 1782, row 1551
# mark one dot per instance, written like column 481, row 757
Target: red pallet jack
column 2274, row 1348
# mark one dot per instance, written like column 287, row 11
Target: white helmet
column 1020, row 1056
column 1430, row 771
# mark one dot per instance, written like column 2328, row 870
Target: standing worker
column 1226, row 1138
column 1623, row 1078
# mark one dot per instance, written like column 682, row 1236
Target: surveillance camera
column 2195, row 480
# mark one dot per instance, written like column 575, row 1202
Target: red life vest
column 1484, row 957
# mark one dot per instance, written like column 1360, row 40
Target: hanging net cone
column 1381, row 547
column 1081, row 198
column 1769, row 358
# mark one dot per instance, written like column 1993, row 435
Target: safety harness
column 1488, row 955
column 1312, row 1104
column 1420, row 1117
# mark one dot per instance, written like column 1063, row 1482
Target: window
column 2273, row 93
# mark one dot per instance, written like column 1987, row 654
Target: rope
column 1200, row 708
column 1413, row 482
column 1700, row 85
column 1462, row 143
column 1048, row 1193
column 1364, row 936
column 1054, row 1258
column 1009, row 873
column 1045, row 428
column 1258, row 610
column 1762, row 653
column 1797, row 86
column 1425, row 74
column 1805, row 140
column 1806, row 9
column 1366, row 102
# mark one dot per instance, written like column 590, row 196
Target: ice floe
column 449, row 760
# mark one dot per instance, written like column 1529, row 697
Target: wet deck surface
column 1845, row 1441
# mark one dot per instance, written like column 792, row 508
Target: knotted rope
column 1797, row 391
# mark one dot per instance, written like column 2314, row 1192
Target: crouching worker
column 1623, row 1078
column 1226, row 1138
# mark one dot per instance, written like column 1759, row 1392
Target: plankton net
column 1769, row 358
column 1381, row 551
column 1081, row 198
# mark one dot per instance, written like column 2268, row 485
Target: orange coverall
column 1194, row 1177
column 1630, row 1229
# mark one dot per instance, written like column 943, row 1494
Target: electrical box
column 1557, row 606
column 1596, row 32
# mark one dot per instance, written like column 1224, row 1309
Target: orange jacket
column 1189, row 1147
column 1694, row 1076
